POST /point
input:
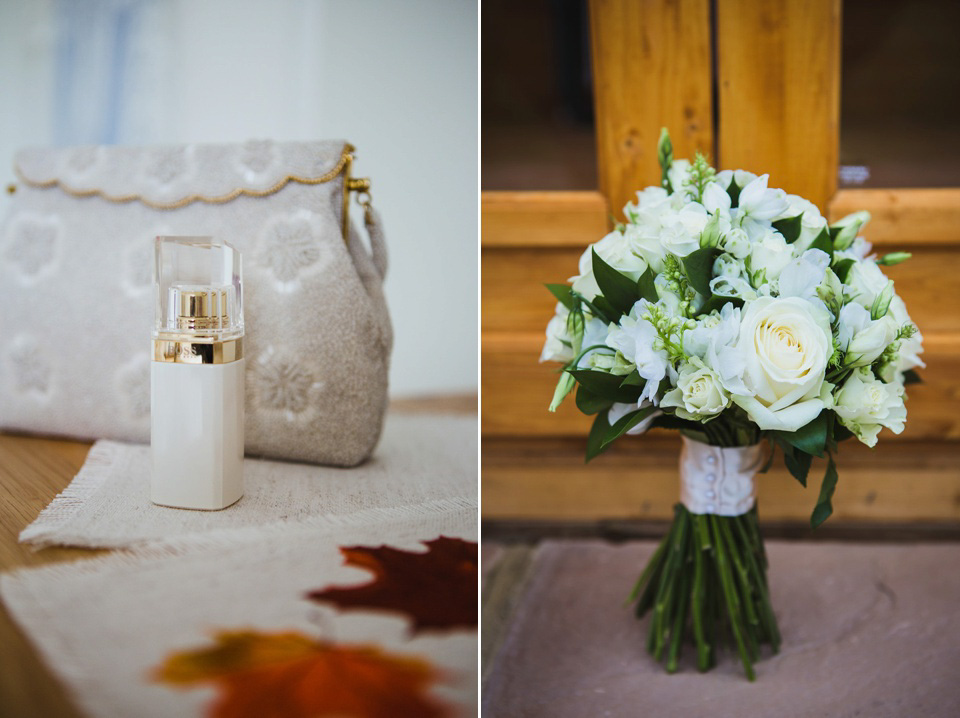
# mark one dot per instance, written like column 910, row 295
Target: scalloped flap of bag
column 179, row 174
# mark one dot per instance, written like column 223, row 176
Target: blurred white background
column 396, row 79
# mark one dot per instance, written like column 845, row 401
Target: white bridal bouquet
column 732, row 312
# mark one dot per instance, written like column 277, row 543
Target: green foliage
column 608, row 386
column 822, row 242
column 646, row 286
column 790, row 227
column 824, row 505
column 618, row 290
column 842, row 269
column 563, row 293
column 810, row 439
column 591, row 403
column 698, row 266
column 911, row 377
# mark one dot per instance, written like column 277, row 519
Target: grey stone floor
column 869, row 630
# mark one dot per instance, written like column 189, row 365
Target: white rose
column 770, row 254
column 865, row 404
column 650, row 200
column 866, row 280
column 613, row 249
column 785, row 344
column 644, row 241
column 758, row 206
column 699, row 393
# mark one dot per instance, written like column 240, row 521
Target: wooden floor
column 32, row 472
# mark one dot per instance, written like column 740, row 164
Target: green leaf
column 845, row 230
column 911, row 377
column 620, row 291
column 590, row 403
column 824, row 506
column 669, row 421
column 563, row 293
column 823, row 243
column 602, row 308
column 842, row 269
column 769, row 462
column 606, row 385
column 564, row 386
column 892, row 258
column 716, row 301
column 881, row 305
column 790, row 227
column 595, row 438
column 646, row 286
column 798, row 464
column 699, row 268
column 810, row 439
column 625, row 424
column 733, row 189
column 841, row 433
column 633, row 379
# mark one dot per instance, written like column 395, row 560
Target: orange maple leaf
column 289, row 675
column 437, row 589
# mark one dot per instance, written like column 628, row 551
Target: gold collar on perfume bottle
column 187, row 351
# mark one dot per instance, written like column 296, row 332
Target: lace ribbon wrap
column 715, row 480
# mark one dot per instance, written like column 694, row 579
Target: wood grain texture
column 638, row 479
column 903, row 217
column 778, row 63
column 549, row 219
column 32, row 472
column 517, row 390
column 651, row 69
column 513, row 297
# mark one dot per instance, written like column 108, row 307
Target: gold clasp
column 360, row 185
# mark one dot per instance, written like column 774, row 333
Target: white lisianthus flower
column 804, row 275
column 737, row 243
column 785, row 344
column 732, row 287
column 637, row 339
column 866, row 280
column 680, row 235
column 699, row 394
column 678, row 174
column 912, row 348
column 741, row 177
column 559, row 344
column 758, row 206
column 650, row 200
column 716, row 199
column 862, row 338
column 770, row 254
column 811, row 221
column 713, row 340
column 594, row 335
column 864, row 404
column 618, row 411
column 613, row 249
column 644, row 242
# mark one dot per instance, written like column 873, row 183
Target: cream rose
column 699, row 393
column 785, row 344
column 865, row 404
column 770, row 254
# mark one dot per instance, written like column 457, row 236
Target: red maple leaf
column 289, row 675
column 437, row 589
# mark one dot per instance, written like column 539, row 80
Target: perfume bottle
column 197, row 374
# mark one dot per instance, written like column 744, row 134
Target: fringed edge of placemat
column 69, row 502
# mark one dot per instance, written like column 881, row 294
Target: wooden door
column 766, row 74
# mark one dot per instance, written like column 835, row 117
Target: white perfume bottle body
column 197, row 434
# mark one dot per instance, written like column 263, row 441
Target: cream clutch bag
column 76, row 290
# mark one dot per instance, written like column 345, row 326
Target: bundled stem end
column 707, row 584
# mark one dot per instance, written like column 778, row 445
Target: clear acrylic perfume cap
column 198, row 286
